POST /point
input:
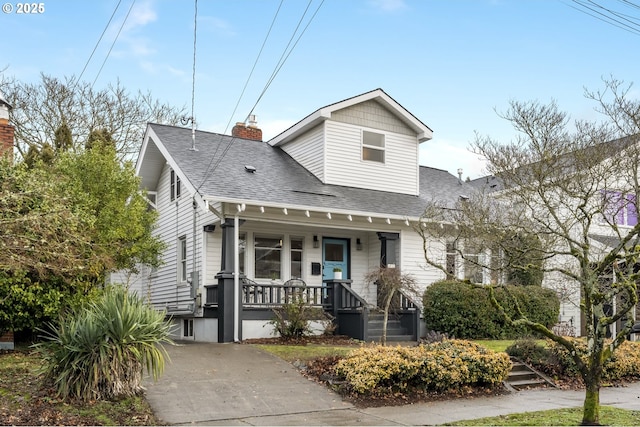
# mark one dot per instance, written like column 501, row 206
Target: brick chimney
column 6, row 129
column 240, row 130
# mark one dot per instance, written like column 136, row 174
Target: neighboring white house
column 341, row 188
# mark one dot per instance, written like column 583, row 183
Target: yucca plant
column 100, row 351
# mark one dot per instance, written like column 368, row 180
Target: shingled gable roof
column 423, row 131
column 566, row 164
column 280, row 181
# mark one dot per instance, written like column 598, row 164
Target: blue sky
column 451, row 63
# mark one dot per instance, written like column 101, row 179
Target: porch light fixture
column 349, row 217
column 329, row 215
column 284, row 210
column 261, row 209
column 369, row 219
column 358, row 244
column 307, row 214
column 316, row 243
column 388, row 221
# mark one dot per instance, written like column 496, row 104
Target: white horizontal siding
column 308, row 150
column 412, row 261
column 344, row 164
column 175, row 219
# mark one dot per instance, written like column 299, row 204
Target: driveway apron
column 207, row 382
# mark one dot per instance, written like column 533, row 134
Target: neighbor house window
column 182, row 259
column 268, row 252
column 450, row 262
column 620, row 208
column 373, row 146
column 296, row 257
column 473, row 258
column 176, row 186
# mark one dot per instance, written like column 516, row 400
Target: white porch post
column 236, row 278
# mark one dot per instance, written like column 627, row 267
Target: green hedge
column 445, row 365
column 464, row 311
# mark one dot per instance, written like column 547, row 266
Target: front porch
column 351, row 314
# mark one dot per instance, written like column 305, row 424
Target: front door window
column 334, row 255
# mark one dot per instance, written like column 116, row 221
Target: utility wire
column 193, row 77
column 283, row 60
column 617, row 19
column 99, row 40
column 114, row 42
column 285, row 55
column 253, row 68
column 264, row 42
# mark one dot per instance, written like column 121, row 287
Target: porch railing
column 272, row 295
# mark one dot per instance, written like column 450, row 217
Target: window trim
column 175, row 185
column 364, row 147
column 182, row 259
column 279, row 249
column 620, row 205
column 291, row 251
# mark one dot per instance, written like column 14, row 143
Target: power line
column 99, row 40
column 264, row 42
column 283, row 58
column 114, row 42
column 617, row 19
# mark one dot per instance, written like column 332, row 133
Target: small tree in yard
column 577, row 191
column 390, row 283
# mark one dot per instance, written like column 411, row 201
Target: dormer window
column 372, row 146
column 176, row 186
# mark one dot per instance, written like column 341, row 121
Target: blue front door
column 334, row 254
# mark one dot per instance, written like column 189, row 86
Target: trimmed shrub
column 465, row 311
column 100, row 351
column 553, row 359
column 443, row 365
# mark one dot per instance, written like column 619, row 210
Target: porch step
column 523, row 376
column 395, row 330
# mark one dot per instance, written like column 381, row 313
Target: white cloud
column 216, row 25
column 141, row 14
column 389, row 5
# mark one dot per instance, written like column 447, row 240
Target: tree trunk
column 387, row 305
column 591, row 407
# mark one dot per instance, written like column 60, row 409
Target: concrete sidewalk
column 236, row 384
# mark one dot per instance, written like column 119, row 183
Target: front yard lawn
column 25, row 401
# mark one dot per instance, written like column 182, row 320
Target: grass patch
column 291, row 353
column 495, row 345
column 557, row 417
column 24, row 400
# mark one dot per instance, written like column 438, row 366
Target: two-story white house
column 340, row 189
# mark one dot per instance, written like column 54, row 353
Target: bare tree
column 390, row 283
column 576, row 190
column 41, row 109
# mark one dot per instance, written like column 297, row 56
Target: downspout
column 236, row 278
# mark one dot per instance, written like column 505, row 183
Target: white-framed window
column 187, row 328
column 268, row 256
column 451, row 263
column 297, row 245
column 619, row 208
column 373, row 146
column 182, row 259
column 176, row 186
